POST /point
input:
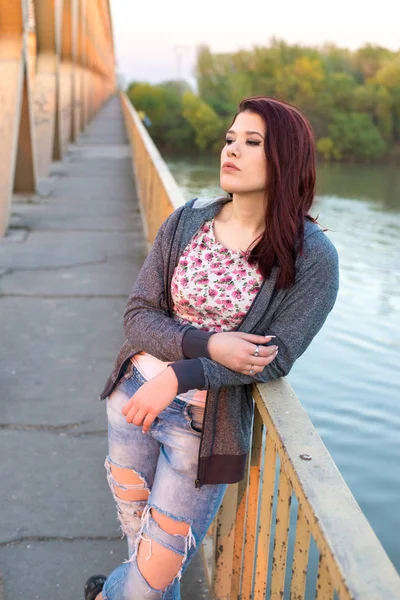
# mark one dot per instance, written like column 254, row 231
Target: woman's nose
column 231, row 151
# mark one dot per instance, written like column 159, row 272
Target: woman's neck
column 244, row 213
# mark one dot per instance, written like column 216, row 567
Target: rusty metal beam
column 77, row 70
column 65, row 65
column 14, row 102
column 82, row 60
column 25, row 179
column 45, row 82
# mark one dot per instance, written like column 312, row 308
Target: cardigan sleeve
column 298, row 318
column 146, row 320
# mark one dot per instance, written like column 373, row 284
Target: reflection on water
column 349, row 378
column 376, row 183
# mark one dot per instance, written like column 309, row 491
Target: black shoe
column 93, row 586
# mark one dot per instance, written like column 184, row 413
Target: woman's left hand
column 151, row 398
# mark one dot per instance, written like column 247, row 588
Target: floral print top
column 212, row 288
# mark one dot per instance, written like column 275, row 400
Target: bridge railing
column 56, row 70
column 158, row 191
column 291, row 526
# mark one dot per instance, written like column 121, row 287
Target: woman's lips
column 230, row 169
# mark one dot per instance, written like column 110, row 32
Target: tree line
column 352, row 98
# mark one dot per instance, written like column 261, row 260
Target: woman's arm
column 147, row 323
column 146, row 319
column 297, row 320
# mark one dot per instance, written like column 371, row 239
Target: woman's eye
column 251, row 142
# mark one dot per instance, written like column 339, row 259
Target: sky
column 156, row 40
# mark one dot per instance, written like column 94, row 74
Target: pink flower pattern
column 213, row 287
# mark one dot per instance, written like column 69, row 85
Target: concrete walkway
column 66, row 269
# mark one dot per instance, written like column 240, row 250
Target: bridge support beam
column 45, row 83
column 15, row 117
column 56, row 71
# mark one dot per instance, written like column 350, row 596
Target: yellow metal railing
column 293, row 496
column 157, row 190
column 290, row 477
column 56, row 70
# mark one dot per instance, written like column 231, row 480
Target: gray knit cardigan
column 294, row 315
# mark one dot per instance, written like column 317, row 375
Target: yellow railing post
column 157, row 190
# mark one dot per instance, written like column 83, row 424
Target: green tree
column 203, row 120
column 368, row 60
column 355, row 137
column 211, row 73
column 326, row 148
column 352, row 99
column 364, row 98
column 162, row 103
column 340, row 87
column 388, row 77
column 302, row 82
column 385, row 115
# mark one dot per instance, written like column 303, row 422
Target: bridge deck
column 66, row 268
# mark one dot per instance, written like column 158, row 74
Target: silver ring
column 251, row 370
column 256, row 351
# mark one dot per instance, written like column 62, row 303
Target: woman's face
column 246, row 151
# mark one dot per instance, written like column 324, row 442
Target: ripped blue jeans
column 165, row 459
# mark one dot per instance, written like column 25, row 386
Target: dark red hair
column 291, row 171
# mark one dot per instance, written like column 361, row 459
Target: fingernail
column 270, row 336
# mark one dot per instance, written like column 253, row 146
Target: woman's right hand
column 235, row 349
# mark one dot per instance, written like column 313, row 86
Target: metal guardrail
column 56, row 69
column 294, row 496
column 293, row 502
column 158, row 191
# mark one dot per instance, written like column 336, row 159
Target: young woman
column 227, row 282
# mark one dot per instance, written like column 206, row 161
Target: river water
column 348, row 380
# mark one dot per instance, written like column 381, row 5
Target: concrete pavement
column 66, row 269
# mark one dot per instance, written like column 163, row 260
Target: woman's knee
column 162, row 548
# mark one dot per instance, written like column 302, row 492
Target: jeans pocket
column 196, row 417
